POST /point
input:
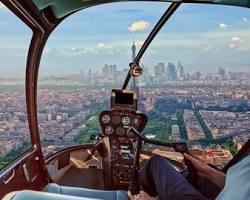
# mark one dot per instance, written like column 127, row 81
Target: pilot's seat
column 84, row 192
column 55, row 192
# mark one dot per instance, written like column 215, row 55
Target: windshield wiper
column 171, row 9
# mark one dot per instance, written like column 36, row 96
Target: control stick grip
column 190, row 165
column 182, row 148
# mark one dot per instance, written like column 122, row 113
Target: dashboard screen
column 124, row 98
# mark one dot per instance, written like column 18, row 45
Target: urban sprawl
column 211, row 111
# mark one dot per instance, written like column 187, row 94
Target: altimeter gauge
column 126, row 121
column 136, row 122
column 109, row 130
column 120, row 131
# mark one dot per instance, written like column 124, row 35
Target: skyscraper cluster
column 109, row 70
column 169, row 72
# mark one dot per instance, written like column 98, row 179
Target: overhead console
column 115, row 125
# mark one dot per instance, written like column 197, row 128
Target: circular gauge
column 120, row 131
column 129, row 134
column 126, row 121
column 109, row 130
column 116, row 119
column 105, row 119
column 136, row 122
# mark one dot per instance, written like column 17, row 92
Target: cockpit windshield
column 194, row 86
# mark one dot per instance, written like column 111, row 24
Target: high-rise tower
column 133, row 48
column 180, row 72
column 134, row 82
column 171, row 72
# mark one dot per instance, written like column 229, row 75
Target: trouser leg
column 159, row 177
column 205, row 186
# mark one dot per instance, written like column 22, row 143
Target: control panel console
column 115, row 125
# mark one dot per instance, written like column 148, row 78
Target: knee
column 157, row 158
column 157, row 161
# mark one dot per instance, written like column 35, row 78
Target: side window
column 15, row 37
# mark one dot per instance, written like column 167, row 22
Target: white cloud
column 100, row 45
column 237, row 39
column 103, row 46
column 223, row 26
column 244, row 19
column 79, row 51
column 100, row 48
column 72, row 49
column 138, row 26
column 237, row 43
column 232, row 45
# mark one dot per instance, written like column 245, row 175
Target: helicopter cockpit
column 75, row 154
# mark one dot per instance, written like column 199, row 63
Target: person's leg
column 159, row 177
column 205, row 186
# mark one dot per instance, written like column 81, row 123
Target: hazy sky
column 202, row 37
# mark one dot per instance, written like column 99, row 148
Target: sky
column 202, row 37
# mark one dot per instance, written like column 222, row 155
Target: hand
column 202, row 168
column 216, row 176
column 141, row 196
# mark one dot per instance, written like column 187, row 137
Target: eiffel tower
column 134, row 82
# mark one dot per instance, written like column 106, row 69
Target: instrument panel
column 115, row 125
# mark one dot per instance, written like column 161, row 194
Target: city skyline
column 151, row 70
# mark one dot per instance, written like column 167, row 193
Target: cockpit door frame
column 28, row 170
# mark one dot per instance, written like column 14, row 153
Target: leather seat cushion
column 35, row 195
column 84, row 192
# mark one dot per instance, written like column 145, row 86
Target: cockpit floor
column 87, row 178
